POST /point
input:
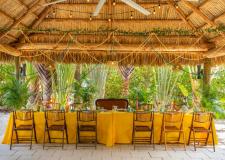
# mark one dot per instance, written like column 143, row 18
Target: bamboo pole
column 17, row 66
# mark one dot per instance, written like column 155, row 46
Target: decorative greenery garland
column 104, row 30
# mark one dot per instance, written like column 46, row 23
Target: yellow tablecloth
column 112, row 127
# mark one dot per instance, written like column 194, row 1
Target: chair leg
column 184, row 140
column 17, row 139
column 49, row 138
column 153, row 141
column 133, row 139
column 11, row 141
column 44, row 139
column 96, row 138
column 165, row 142
column 63, row 139
column 31, row 137
column 35, row 135
column 161, row 135
column 76, row 141
column 189, row 137
column 67, row 138
column 194, row 140
column 214, row 149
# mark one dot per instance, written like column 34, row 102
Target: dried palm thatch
column 75, row 15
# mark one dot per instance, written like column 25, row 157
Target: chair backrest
column 86, row 116
column 109, row 103
column 143, row 116
column 23, row 115
column 55, row 116
column 173, row 119
column 202, row 118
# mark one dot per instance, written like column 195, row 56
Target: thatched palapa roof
column 177, row 32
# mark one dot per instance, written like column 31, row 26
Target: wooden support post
column 17, row 64
column 206, row 77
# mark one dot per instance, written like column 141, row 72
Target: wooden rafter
column 201, row 5
column 9, row 50
column 113, row 20
column 6, row 15
column 23, row 4
column 31, row 9
column 198, row 12
column 215, row 53
column 181, row 14
column 123, row 47
column 42, row 16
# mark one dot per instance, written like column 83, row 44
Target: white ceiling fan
column 53, row 2
column 131, row 3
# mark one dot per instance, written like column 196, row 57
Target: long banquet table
column 112, row 127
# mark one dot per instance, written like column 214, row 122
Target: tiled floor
column 118, row 152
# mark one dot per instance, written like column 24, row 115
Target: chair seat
column 172, row 128
column 87, row 128
column 56, row 127
column 24, row 127
column 142, row 128
column 200, row 129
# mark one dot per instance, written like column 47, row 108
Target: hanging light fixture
column 71, row 15
column 159, row 5
column 154, row 11
column 114, row 2
column 131, row 15
column 90, row 18
column 176, row 5
column 53, row 12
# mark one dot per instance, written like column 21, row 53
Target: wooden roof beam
column 31, row 9
column 202, row 4
column 7, row 15
column 181, row 14
column 115, row 20
column 123, row 47
column 23, row 4
column 214, row 53
column 42, row 16
column 9, row 50
column 198, row 12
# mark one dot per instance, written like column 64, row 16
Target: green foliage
column 15, row 93
column 84, row 89
column 142, row 86
column 183, row 89
column 62, row 84
column 113, row 84
column 166, row 81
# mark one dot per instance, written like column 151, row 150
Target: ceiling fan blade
column 99, row 7
column 136, row 6
column 53, row 2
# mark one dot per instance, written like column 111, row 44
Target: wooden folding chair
column 55, row 121
column 86, row 124
column 201, row 123
column 23, row 121
column 143, row 122
column 172, row 123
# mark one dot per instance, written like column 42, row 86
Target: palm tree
column 165, row 80
column 46, row 80
column 126, row 72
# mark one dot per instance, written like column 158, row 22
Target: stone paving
column 118, row 152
